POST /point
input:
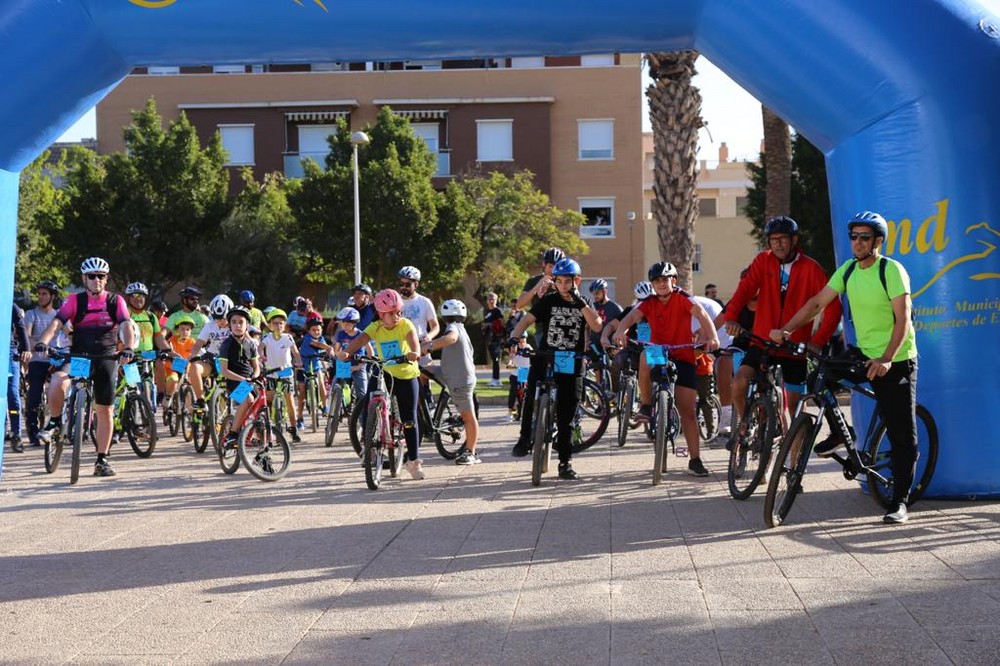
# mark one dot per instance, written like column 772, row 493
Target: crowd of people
column 783, row 295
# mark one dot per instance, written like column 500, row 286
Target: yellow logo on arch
column 160, row 4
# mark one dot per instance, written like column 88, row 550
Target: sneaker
column 896, row 515
column 567, row 473
column 495, row 383
column 522, row 448
column 230, row 441
column 415, row 468
column 299, row 425
column 512, row 417
column 295, row 435
column 467, row 458
column 103, row 468
column 645, row 414
column 199, row 405
column 826, row 448
column 695, row 468
column 16, row 446
column 49, row 431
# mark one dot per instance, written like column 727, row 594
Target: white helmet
column 454, row 308
column 220, row 306
column 410, row 273
column 349, row 314
column 136, row 288
column 642, row 290
column 94, row 265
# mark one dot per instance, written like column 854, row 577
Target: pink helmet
column 388, row 300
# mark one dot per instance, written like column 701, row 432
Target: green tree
column 513, row 222
column 38, row 215
column 810, row 202
column 152, row 211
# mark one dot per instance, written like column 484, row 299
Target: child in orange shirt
column 181, row 343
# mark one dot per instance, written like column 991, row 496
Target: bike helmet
column 388, row 300
column 364, row 288
column 184, row 319
column 220, row 306
column 661, row 269
column 781, row 224
column 313, row 321
column 349, row 314
column 566, row 266
column 236, row 310
column 873, row 221
column 599, row 283
column 300, row 302
column 136, row 288
column 410, row 273
column 552, row 255
column 454, row 308
column 247, row 296
column 94, row 265
column 642, row 290
column 190, row 291
column 159, row 306
column 48, row 285
column 275, row 312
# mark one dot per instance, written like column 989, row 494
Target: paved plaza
column 173, row 561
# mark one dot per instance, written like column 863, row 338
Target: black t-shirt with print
column 239, row 354
column 564, row 325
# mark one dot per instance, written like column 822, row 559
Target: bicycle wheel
column 709, row 417
column 625, row 405
column 53, row 452
column 176, row 416
column 751, row 450
column 789, row 468
column 312, row 403
column 216, row 413
column 540, row 437
column 139, row 424
column 448, row 426
column 263, row 451
column 356, row 425
column 334, row 413
column 592, row 417
column 78, row 430
column 373, row 452
column 877, row 458
column 229, row 458
column 663, row 408
column 185, row 418
column 397, row 447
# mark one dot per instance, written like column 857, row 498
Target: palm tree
column 778, row 164
column 675, row 114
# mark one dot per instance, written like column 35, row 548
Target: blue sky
column 732, row 114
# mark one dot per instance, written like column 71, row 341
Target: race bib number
column 178, row 365
column 565, row 362
column 284, row 373
column 79, row 367
column 522, row 374
column 655, row 356
column 241, row 392
column 343, row 370
column 132, row 377
column 148, row 355
column 642, row 331
column 390, row 349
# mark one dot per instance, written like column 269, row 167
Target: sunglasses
column 97, row 276
column 864, row 237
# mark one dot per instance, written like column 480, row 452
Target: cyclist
column 783, row 278
column 363, row 296
column 312, row 345
column 418, row 308
column 150, row 333
column 181, row 344
column 642, row 290
column 190, row 299
column 96, row 315
column 538, row 285
column 159, row 308
column 878, row 294
column 608, row 310
column 396, row 336
column 211, row 338
column 563, row 317
column 298, row 318
column 36, row 320
column 669, row 314
column 239, row 361
column 20, row 353
column 459, row 372
column 517, row 361
column 247, row 299
column 279, row 352
column 493, row 335
column 346, row 333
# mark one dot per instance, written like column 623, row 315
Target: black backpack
column 81, row 306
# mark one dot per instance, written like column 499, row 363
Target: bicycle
column 709, row 414
column 219, row 412
column 627, row 410
column 145, row 361
column 312, row 403
column 178, row 407
column 77, row 410
column 282, row 379
column 871, row 458
column 261, row 445
column 383, row 434
column 133, row 415
column 340, row 400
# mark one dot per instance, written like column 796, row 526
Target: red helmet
column 388, row 300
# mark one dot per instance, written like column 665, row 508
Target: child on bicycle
column 239, row 360
column 347, row 331
column 279, row 352
column 459, row 372
column 517, row 361
column 311, row 350
column 563, row 316
column 181, row 343
column 395, row 335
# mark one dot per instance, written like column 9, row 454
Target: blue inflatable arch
column 903, row 104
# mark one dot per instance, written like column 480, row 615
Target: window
column 422, row 64
column 696, row 259
column 526, row 63
column 163, row 71
column 741, row 206
column 706, row 208
column 328, row 67
column 257, row 69
column 229, row 69
column 597, row 139
column 495, row 140
column 238, row 142
column 600, row 214
column 313, row 142
column 600, row 60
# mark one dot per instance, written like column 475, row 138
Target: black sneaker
column 567, row 473
column 295, row 435
column 103, row 468
column 230, row 441
column 645, row 414
column 696, row 468
column 896, row 515
column 522, row 448
column 826, row 448
column 16, row 445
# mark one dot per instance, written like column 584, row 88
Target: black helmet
column 190, row 291
column 661, row 269
column 159, row 305
column 51, row 286
column 552, row 255
column 238, row 310
column 363, row 287
column 781, row 224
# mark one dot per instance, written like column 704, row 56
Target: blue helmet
column 781, row 224
column 247, row 296
column 874, row 221
column 566, row 266
column 599, row 283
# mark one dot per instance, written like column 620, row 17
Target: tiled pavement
column 174, row 562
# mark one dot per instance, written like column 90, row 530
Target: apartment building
column 575, row 122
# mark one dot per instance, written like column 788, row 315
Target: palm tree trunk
column 675, row 114
column 778, row 165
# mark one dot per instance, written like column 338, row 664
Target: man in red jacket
column 783, row 278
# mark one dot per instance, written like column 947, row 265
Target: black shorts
column 793, row 370
column 104, row 373
column 687, row 375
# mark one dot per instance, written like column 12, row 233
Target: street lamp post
column 357, row 139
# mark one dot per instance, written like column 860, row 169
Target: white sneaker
column 495, row 383
column 415, row 468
